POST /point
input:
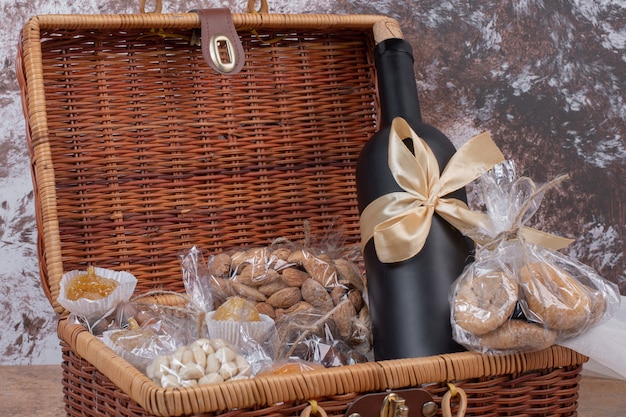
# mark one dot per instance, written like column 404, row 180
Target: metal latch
column 219, row 40
column 417, row 402
column 394, row 406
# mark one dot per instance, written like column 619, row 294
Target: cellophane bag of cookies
column 521, row 294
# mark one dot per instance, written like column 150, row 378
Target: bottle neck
column 396, row 81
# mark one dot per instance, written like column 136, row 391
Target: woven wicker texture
column 139, row 151
column 538, row 384
column 147, row 151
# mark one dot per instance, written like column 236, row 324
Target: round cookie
column 597, row 310
column 482, row 303
column 560, row 301
column 518, row 335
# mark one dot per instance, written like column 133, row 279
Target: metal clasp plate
column 416, row 401
column 218, row 45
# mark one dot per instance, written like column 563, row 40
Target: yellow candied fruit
column 237, row 309
column 90, row 286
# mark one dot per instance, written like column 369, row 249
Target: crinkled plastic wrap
column 140, row 332
column 519, row 296
column 288, row 284
column 196, row 278
column 202, row 362
column 310, row 338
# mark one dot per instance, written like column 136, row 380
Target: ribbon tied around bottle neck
column 399, row 222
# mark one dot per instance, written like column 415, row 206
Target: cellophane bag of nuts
column 311, row 293
column 521, row 294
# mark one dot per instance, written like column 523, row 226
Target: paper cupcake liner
column 234, row 331
column 98, row 308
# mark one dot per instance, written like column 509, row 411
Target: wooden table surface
column 36, row 391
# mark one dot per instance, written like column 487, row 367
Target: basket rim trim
column 452, row 367
column 191, row 20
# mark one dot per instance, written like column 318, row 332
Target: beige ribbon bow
column 399, row 222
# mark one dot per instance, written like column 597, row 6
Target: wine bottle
column 409, row 303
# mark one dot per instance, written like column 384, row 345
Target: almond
column 285, row 298
column 265, row 308
column 314, row 293
column 237, row 259
column 356, row 298
column 299, row 307
column 324, row 257
column 338, row 293
column 256, row 275
column 256, row 256
column 272, row 287
column 220, row 265
column 343, row 315
column 279, row 258
column 298, row 256
column 282, row 253
column 223, row 287
column 294, row 277
column 323, row 272
column 247, row 292
column 349, row 272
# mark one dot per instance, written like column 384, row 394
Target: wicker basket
column 140, row 150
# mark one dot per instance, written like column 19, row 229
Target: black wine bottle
column 409, row 303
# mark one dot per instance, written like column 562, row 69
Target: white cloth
column 605, row 345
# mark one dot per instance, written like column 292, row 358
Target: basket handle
column 158, row 6
column 262, row 9
column 446, row 408
column 313, row 409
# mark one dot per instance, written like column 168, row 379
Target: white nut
column 169, row 381
column 191, row 371
column 243, row 366
column 178, row 355
column 156, row 367
column 188, row 357
column 173, row 367
column 199, row 356
column 211, row 378
column 189, row 383
column 225, row 354
column 151, row 370
column 228, row 370
column 205, row 344
column 212, row 364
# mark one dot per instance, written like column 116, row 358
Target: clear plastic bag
column 140, row 332
column 520, row 294
column 311, row 338
column 202, row 362
column 284, row 281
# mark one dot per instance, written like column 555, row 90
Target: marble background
column 547, row 78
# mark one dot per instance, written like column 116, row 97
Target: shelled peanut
column 284, row 282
